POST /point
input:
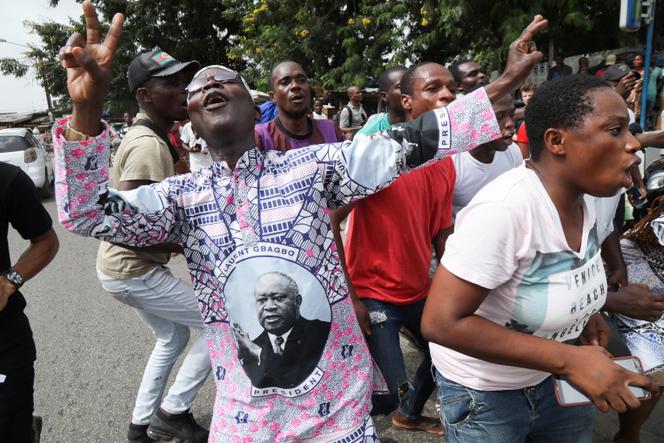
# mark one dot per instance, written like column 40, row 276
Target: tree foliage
column 10, row 66
column 188, row 29
column 44, row 58
column 338, row 42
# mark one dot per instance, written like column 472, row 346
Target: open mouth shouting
column 627, row 179
column 214, row 100
column 297, row 98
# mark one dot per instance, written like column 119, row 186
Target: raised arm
column 88, row 62
column 371, row 162
column 140, row 217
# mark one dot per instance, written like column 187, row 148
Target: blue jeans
column 521, row 415
column 386, row 320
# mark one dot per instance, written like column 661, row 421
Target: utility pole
column 649, row 18
column 39, row 66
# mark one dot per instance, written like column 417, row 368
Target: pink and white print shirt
column 289, row 359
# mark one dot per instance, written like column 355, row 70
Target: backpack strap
column 350, row 115
column 161, row 134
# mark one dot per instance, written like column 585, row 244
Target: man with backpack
column 352, row 116
column 140, row 278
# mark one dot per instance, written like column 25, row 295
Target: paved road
column 92, row 350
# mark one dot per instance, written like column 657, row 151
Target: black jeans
column 17, row 405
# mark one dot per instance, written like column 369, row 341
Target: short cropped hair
column 384, row 79
column 291, row 285
column 454, row 69
column 563, row 103
column 274, row 68
column 406, row 84
column 528, row 86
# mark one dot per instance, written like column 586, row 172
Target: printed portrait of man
column 290, row 346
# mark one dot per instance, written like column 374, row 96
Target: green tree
column 189, row 29
column 445, row 30
column 200, row 30
column 44, row 60
column 338, row 42
column 341, row 42
column 328, row 38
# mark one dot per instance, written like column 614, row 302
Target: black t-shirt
column 21, row 207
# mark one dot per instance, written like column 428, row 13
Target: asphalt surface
column 92, row 351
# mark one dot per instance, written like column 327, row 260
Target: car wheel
column 45, row 190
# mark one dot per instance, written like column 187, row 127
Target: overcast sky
column 25, row 94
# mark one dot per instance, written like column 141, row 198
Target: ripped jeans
column 386, row 320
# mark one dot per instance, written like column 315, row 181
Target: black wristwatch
column 14, row 277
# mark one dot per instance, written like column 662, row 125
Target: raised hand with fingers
column 88, row 62
column 523, row 54
column 247, row 349
column 626, row 84
column 522, row 57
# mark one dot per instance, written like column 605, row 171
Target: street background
column 92, row 350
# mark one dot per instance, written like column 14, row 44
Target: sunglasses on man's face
column 219, row 75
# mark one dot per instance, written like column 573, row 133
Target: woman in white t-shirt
column 522, row 276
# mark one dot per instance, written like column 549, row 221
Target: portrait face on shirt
column 278, row 302
column 280, row 320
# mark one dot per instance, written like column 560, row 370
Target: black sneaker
column 178, row 428
column 36, row 428
column 138, row 434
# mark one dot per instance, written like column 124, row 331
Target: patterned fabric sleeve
column 371, row 162
column 141, row 217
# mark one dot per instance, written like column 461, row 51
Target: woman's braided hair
column 642, row 233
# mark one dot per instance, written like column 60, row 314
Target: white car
column 20, row 148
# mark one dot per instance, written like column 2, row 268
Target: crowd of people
column 310, row 242
column 635, row 64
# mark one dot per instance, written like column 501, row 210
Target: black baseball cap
column 616, row 72
column 155, row 63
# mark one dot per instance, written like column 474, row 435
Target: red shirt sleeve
column 446, row 219
column 521, row 135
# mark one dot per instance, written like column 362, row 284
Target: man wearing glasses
column 140, row 278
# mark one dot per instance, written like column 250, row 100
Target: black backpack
column 337, row 117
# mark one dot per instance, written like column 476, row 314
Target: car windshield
column 12, row 143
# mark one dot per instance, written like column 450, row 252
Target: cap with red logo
column 155, row 63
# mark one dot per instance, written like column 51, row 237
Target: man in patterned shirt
column 254, row 212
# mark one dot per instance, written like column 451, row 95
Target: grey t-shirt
column 353, row 119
